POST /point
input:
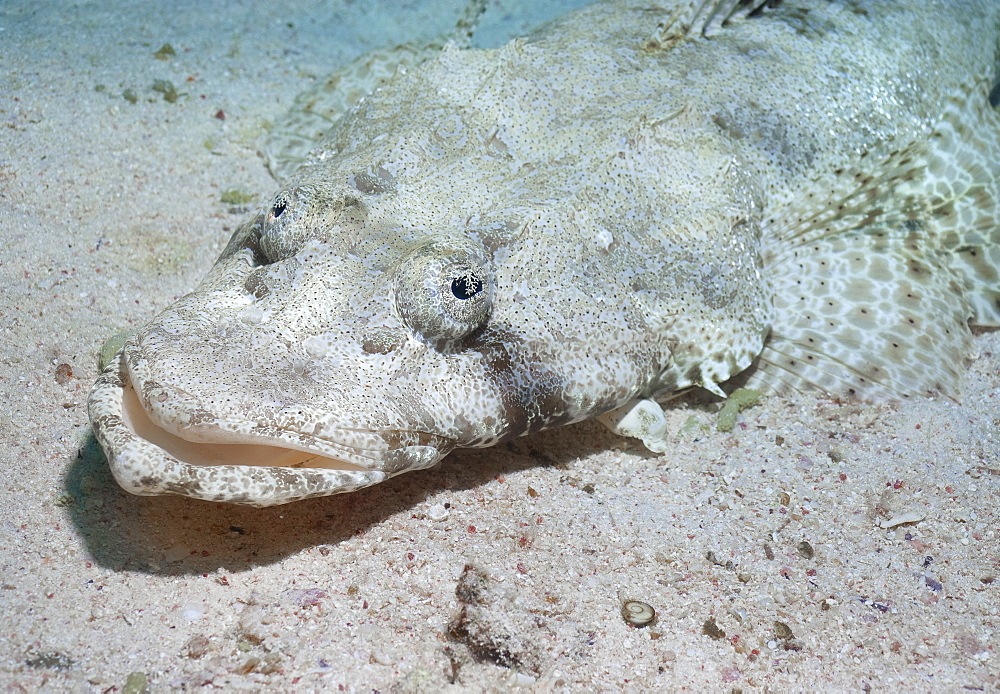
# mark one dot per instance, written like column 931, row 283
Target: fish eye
column 466, row 287
column 279, row 238
column 443, row 290
column 280, row 204
column 304, row 212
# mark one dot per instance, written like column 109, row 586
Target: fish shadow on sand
column 173, row 535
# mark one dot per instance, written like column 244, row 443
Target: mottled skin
column 617, row 208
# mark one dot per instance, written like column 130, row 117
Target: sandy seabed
column 767, row 552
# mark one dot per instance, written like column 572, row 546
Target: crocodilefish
column 639, row 198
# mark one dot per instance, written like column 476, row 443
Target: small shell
column 805, row 550
column 902, row 518
column 638, row 614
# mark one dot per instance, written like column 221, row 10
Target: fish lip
column 143, row 466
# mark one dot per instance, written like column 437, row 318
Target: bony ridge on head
column 302, row 212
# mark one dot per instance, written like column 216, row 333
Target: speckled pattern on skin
column 616, row 208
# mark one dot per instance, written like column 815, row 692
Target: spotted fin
column 970, row 215
column 878, row 270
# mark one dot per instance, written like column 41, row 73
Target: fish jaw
column 240, row 461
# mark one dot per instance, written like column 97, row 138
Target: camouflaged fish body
column 636, row 200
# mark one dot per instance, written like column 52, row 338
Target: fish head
column 343, row 338
column 433, row 278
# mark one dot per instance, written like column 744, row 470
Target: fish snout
column 162, row 440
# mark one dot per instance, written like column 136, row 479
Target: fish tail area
column 879, row 270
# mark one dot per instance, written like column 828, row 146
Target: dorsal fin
column 706, row 18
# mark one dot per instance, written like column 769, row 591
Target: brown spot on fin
column 879, row 268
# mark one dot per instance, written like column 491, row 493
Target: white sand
column 110, row 210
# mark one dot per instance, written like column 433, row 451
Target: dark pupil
column 278, row 209
column 466, row 287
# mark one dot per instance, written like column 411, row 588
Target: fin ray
column 705, row 18
column 878, row 269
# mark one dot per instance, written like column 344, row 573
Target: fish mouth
column 243, row 462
